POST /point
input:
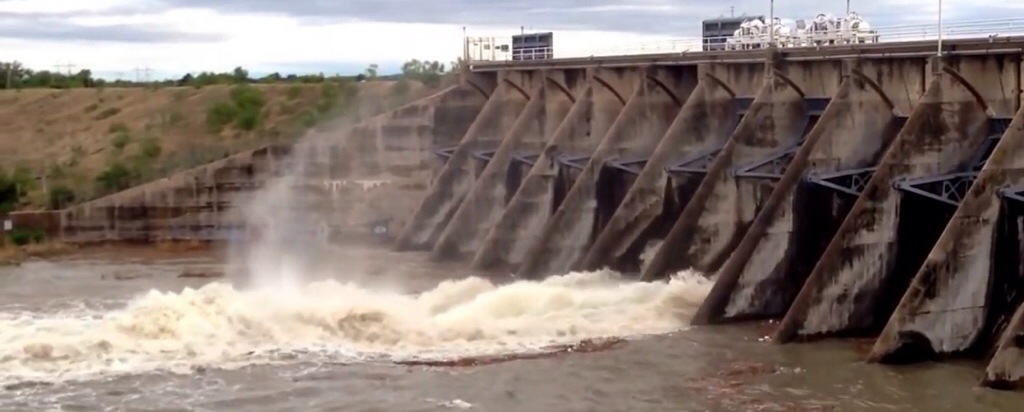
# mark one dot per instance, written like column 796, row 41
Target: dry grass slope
column 71, row 136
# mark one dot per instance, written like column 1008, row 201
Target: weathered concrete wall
column 201, row 203
column 47, row 222
column 705, row 122
column 767, row 269
column 849, row 286
column 720, row 211
column 1006, row 368
column 634, row 134
column 580, row 133
column 455, row 180
column 550, row 103
column 949, row 299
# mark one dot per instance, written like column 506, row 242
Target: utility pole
column 142, row 73
column 67, row 66
column 465, row 45
column 771, row 24
column 847, row 7
column 940, row 29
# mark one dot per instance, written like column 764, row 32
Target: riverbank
column 11, row 255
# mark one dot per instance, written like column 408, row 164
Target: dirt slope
column 68, row 137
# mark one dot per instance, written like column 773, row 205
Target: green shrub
column 294, row 91
column 174, row 117
column 325, row 106
column 401, row 88
column 107, row 113
column 115, row 177
column 247, row 119
column 329, row 91
column 118, row 127
column 150, row 148
column 247, row 97
column 20, row 238
column 9, row 194
column 91, row 108
column 61, row 196
column 57, row 171
column 24, row 237
column 121, row 140
column 310, row 119
column 220, row 114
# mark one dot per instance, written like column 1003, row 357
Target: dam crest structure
column 864, row 190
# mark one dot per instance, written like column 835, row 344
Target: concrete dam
column 868, row 190
column 863, row 190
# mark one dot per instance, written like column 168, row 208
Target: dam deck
column 851, row 190
column 907, row 49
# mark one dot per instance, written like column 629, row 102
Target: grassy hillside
column 77, row 144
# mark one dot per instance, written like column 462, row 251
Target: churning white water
column 277, row 313
column 219, row 326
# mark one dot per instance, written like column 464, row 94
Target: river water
column 104, row 331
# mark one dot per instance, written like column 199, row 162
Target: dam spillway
column 860, row 190
column 853, row 191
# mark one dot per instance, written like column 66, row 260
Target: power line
column 68, row 66
column 139, row 76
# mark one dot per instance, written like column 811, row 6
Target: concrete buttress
column 705, row 123
column 549, row 178
column 957, row 295
column 868, row 264
column 1006, row 368
column 456, row 178
column 497, row 183
column 766, row 270
column 721, row 209
column 635, row 134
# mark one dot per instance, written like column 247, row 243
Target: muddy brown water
column 722, row 368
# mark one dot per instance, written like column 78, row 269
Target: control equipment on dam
column 743, row 33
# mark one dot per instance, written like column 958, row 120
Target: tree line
column 14, row 75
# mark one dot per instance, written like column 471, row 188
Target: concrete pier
column 555, row 171
column 548, row 106
column 634, row 134
column 957, row 297
column 721, row 209
column 446, row 193
column 704, row 124
column 766, row 270
column 860, row 276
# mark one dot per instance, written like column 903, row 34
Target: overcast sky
column 173, row 37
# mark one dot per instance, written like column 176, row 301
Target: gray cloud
column 110, row 33
column 666, row 17
column 57, row 26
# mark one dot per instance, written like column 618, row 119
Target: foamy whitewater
column 219, row 326
column 276, row 314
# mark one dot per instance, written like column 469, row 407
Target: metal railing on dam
column 920, row 37
column 909, row 49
